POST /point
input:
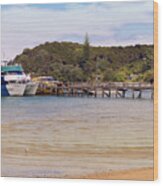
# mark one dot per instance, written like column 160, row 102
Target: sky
column 106, row 23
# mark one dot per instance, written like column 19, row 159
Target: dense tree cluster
column 73, row 62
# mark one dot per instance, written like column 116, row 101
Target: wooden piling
column 116, row 93
column 140, row 94
column 133, row 94
column 152, row 94
column 95, row 92
column 103, row 92
column 123, row 93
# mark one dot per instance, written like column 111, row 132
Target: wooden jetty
column 110, row 89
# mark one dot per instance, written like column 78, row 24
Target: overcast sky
column 107, row 24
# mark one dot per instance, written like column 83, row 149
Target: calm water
column 60, row 137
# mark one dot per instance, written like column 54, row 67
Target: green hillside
column 68, row 61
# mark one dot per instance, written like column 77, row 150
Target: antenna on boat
column 3, row 61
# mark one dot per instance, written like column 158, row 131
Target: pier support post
column 133, row 95
column 140, row 94
column 116, row 93
column 123, row 93
column 95, row 93
column 103, row 92
column 152, row 94
column 57, row 91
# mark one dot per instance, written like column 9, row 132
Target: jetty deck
column 116, row 89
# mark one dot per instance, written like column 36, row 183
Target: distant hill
column 68, row 61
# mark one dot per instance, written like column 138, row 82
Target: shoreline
column 138, row 174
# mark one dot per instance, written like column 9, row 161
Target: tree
column 86, row 51
column 109, row 75
column 86, row 48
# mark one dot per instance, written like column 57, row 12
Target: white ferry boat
column 14, row 82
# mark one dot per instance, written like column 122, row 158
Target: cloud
column 107, row 23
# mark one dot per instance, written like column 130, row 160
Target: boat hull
column 4, row 91
column 31, row 89
column 16, row 89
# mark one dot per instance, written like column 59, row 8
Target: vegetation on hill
column 73, row 62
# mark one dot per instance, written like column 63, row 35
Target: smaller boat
column 31, row 87
column 47, row 85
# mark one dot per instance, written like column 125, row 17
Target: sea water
column 48, row 136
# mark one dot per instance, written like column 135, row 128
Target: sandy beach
column 134, row 174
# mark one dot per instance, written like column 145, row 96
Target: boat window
column 14, row 73
column 12, row 81
column 46, row 79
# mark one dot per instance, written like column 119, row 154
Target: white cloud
column 24, row 26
